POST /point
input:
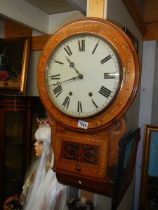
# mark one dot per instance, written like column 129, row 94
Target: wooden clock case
column 86, row 158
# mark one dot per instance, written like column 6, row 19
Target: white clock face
column 82, row 75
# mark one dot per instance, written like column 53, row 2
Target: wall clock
column 88, row 75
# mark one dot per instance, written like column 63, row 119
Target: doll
column 41, row 190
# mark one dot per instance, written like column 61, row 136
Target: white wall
column 25, row 13
column 31, row 85
column 146, row 98
column 154, row 118
column 58, row 20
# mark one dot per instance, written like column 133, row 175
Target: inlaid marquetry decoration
column 88, row 75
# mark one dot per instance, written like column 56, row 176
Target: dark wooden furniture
column 17, row 126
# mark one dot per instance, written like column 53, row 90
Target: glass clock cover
column 83, row 75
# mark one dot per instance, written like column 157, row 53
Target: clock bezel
column 130, row 72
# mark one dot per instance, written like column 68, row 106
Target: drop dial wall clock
column 88, row 75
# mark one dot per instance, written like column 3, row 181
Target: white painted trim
column 145, row 113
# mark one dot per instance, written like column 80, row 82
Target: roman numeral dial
column 83, row 76
column 81, row 45
column 68, row 50
column 104, row 60
column 66, row 102
column 55, row 77
column 57, row 90
column 105, row 91
column 79, row 106
column 93, row 51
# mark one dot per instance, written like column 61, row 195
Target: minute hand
column 73, row 78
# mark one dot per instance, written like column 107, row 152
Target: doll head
column 43, row 133
column 42, row 136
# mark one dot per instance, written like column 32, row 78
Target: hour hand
column 72, row 65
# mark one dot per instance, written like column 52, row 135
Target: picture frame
column 126, row 164
column 149, row 175
column 14, row 55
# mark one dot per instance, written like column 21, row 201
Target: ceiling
column 57, row 6
column 144, row 12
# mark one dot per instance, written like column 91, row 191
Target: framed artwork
column 14, row 54
column 126, row 165
column 149, row 178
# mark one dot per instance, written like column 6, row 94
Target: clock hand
column 72, row 65
column 80, row 76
